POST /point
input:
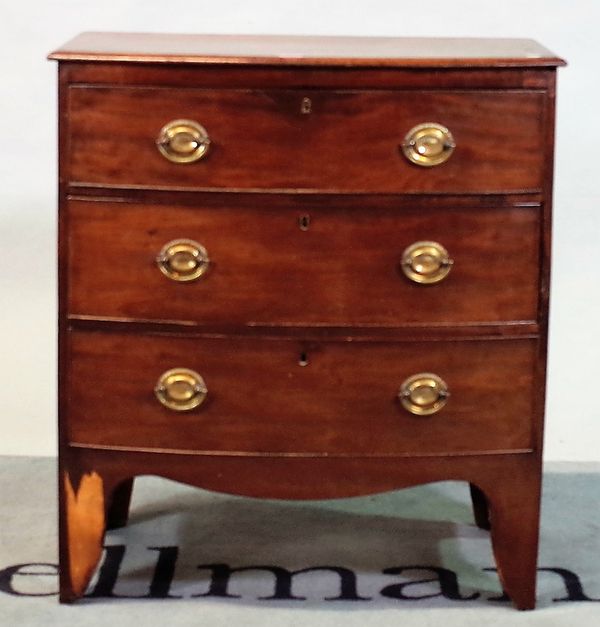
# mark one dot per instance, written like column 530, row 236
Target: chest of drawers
column 303, row 268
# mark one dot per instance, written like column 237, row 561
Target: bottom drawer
column 284, row 396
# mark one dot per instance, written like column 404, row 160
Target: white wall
column 29, row 30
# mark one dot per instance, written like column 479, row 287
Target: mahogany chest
column 303, row 267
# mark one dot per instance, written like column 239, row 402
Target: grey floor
column 392, row 550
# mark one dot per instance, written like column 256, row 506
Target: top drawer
column 342, row 141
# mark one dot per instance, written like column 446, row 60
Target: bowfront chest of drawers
column 303, row 268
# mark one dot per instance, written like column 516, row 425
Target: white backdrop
column 30, row 29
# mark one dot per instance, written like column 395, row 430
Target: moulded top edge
column 295, row 50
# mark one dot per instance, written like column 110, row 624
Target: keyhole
column 306, row 106
column 304, row 222
column 303, row 361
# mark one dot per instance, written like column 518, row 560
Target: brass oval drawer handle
column 426, row 262
column 423, row 394
column 428, row 144
column 180, row 389
column 183, row 260
column 183, row 141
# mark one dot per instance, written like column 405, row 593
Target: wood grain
column 330, row 295
column 349, row 143
column 344, row 269
column 261, row 399
column 511, row 484
column 346, row 77
column 306, row 50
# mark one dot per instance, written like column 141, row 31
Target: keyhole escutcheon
column 304, row 222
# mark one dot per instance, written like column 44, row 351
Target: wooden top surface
column 306, row 50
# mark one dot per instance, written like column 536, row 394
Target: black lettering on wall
column 446, row 579
column 221, row 575
column 109, row 572
column 162, row 578
column 7, row 575
column 572, row 585
column 164, row 572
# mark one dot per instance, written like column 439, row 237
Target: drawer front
column 261, row 399
column 347, row 141
column 269, row 267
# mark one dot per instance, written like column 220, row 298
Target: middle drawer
column 281, row 265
